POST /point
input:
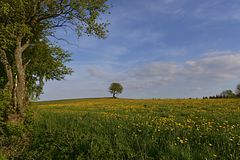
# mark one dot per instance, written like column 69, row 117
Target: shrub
column 4, row 103
column 14, row 137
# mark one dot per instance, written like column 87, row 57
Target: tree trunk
column 8, row 70
column 114, row 94
column 21, row 79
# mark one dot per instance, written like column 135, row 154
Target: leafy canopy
column 115, row 88
column 34, row 22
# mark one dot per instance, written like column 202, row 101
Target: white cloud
column 155, row 72
column 214, row 67
column 221, row 67
column 218, row 11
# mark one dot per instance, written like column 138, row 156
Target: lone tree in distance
column 115, row 88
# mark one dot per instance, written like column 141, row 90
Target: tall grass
column 135, row 129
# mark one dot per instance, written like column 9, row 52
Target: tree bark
column 21, row 79
column 8, row 69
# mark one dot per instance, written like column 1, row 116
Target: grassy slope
column 136, row 129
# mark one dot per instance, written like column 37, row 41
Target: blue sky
column 156, row 49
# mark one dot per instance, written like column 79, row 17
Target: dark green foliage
column 13, row 138
column 4, row 105
column 237, row 90
column 47, row 62
column 227, row 94
column 16, row 138
column 3, row 78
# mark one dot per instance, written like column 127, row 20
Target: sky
column 156, row 49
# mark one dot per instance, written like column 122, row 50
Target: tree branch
column 34, row 11
column 25, row 46
column 26, row 64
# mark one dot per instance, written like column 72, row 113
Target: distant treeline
column 227, row 94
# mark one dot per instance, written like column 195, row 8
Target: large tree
column 25, row 27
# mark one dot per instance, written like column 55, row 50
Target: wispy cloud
column 214, row 67
column 211, row 68
column 141, row 36
column 220, row 10
column 169, row 7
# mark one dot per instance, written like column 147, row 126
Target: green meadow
column 131, row 129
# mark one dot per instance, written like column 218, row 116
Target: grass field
column 135, row 129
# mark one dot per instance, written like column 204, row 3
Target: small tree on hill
column 115, row 88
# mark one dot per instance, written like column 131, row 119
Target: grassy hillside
column 135, row 129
